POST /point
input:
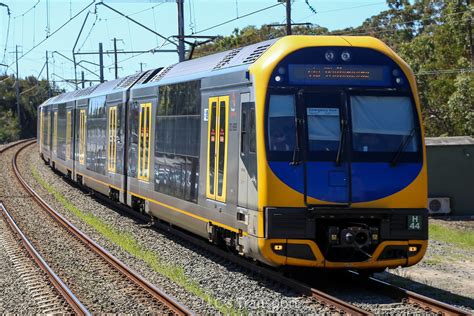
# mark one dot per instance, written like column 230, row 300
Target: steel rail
column 176, row 307
column 11, row 145
column 323, row 298
column 410, row 297
column 334, row 303
column 76, row 305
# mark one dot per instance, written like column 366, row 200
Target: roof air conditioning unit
column 439, row 205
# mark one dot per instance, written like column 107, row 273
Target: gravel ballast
column 15, row 297
column 227, row 285
column 99, row 287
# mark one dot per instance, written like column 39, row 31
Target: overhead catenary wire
column 135, row 13
column 8, row 32
column 27, row 11
column 341, row 9
column 55, row 31
column 89, row 33
column 237, row 18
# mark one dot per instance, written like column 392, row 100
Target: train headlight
column 278, row 247
column 346, row 56
column 330, row 55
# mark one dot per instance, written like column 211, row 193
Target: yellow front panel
column 412, row 196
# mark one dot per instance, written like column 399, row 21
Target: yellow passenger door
column 55, row 133
column 144, row 133
column 82, row 136
column 68, row 134
column 218, row 117
column 112, row 142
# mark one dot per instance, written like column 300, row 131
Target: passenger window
column 252, row 131
column 281, row 123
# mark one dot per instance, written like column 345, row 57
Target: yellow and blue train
column 297, row 151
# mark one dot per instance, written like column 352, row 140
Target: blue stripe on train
column 328, row 182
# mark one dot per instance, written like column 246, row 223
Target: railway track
column 418, row 302
column 46, row 287
column 133, row 289
column 404, row 297
column 428, row 304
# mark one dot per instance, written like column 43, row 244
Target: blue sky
column 28, row 28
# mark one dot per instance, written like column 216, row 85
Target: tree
column 32, row 94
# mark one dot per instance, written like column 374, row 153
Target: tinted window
column 133, row 139
column 177, row 140
column 281, row 123
column 61, row 132
column 96, row 149
column 381, row 124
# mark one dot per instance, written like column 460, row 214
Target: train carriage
column 300, row 151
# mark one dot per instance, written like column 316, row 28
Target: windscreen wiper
column 341, row 142
column 296, row 149
column 402, row 146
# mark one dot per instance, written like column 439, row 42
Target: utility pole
column 116, row 59
column 17, row 90
column 101, row 63
column 82, row 79
column 141, row 67
column 47, row 75
column 288, row 17
column 180, row 29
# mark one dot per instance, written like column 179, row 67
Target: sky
column 31, row 19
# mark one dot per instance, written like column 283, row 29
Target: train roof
column 232, row 60
column 236, row 59
column 112, row 86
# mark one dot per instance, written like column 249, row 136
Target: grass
column 464, row 239
column 129, row 244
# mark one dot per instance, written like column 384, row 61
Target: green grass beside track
column 129, row 244
column 458, row 237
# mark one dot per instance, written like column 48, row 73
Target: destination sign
column 338, row 74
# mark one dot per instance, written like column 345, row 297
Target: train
column 299, row 151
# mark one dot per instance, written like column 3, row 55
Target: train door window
column 217, row 148
column 144, row 141
column 68, row 134
column 112, row 144
column 252, row 130
column 55, row 133
column 82, row 136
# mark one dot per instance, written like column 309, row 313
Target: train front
column 342, row 170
